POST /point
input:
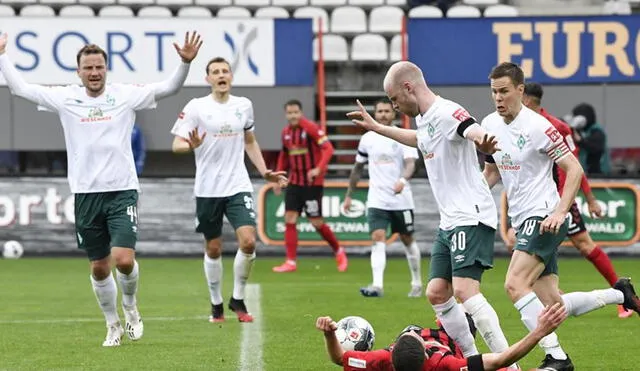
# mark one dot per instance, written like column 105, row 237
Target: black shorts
column 576, row 223
column 298, row 198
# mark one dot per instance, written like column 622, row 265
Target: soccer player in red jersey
column 305, row 153
column 420, row 349
column 577, row 232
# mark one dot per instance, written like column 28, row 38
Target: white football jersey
column 97, row 133
column 460, row 189
column 220, row 167
column 386, row 163
column 529, row 146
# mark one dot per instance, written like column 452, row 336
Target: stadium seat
column 194, row 12
column 214, row 3
column 314, row 13
column 233, row 12
column 386, row 19
column 251, row 3
column 37, row 10
column 115, row 11
column 76, row 11
column 481, row 3
column 290, row 3
column 395, row 48
column 425, row 11
column 6, row 11
column 96, row 2
column 328, row 3
column 348, row 19
column 56, row 2
column 463, row 11
column 400, row 3
column 334, row 48
column 612, row 7
column 369, row 47
column 366, row 3
column 174, row 3
column 154, row 11
column 136, row 2
column 501, row 11
column 21, row 2
column 271, row 12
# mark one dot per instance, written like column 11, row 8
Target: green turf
column 38, row 290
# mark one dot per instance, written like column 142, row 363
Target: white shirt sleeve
column 49, row 98
column 249, row 124
column 548, row 139
column 451, row 122
column 362, row 156
column 410, row 152
column 186, row 122
column 140, row 96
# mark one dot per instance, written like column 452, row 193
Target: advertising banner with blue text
column 550, row 50
column 141, row 51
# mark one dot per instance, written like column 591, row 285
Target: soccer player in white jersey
column 97, row 119
column 389, row 199
column 468, row 216
column 530, row 146
column 219, row 128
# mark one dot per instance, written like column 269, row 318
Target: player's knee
column 437, row 292
column 100, row 269
column 378, row 235
column 406, row 239
column 515, row 288
column 290, row 217
column 248, row 244
column 317, row 222
column 214, row 248
column 585, row 246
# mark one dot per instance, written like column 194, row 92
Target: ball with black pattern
column 355, row 333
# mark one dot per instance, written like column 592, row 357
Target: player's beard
column 95, row 86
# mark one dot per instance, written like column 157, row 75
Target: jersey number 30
column 458, row 241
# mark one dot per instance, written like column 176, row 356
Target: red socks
column 603, row 264
column 291, row 241
column 328, row 236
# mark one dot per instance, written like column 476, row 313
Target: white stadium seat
column 76, row 11
column 251, row 3
column 334, row 48
column 21, row 2
column 612, row 7
column 400, row 3
column 328, row 3
column 501, row 11
column 395, row 48
column 481, row 3
column 233, row 12
column 463, row 11
column 56, row 2
column 97, row 2
column 194, row 12
column 154, row 11
column 366, row 3
column 37, row 10
column 290, row 3
column 348, row 19
column 115, row 11
column 136, row 2
column 271, row 12
column 315, row 14
column 214, row 3
column 174, row 3
column 386, row 19
column 369, row 47
column 6, row 11
column 425, row 11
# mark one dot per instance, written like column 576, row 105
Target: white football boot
column 114, row 335
column 133, row 323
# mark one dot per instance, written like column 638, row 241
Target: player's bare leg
column 588, row 249
column 242, row 265
column 523, row 272
column 128, row 275
column 378, row 264
column 414, row 259
column 213, row 273
column 328, row 235
column 106, row 291
column 291, row 243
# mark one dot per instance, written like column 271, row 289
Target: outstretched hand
column 362, row 118
column 551, row 317
column 189, row 50
column 488, row 145
column 326, row 324
column 278, row 177
column 195, row 139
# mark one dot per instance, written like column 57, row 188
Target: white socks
column 529, row 307
column 213, row 273
column 129, row 285
column 487, row 322
column 242, row 265
column 107, row 295
column 378, row 263
column 579, row 303
column 454, row 321
column 413, row 258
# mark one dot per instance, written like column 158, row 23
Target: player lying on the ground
column 420, row 349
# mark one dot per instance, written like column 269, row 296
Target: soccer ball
column 355, row 333
column 12, row 250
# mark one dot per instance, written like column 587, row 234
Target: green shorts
column 544, row 246
column 465, row 251
column 105, row 220
column 210, row 211
column 401, row 221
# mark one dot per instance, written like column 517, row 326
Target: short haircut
column 90, row 49
column 217, row 60
column 293, row 102
column 510, row 70
column 382, row 101
column 533, row 89
column 408, row 354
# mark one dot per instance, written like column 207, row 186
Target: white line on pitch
column 75, row 320
column 251, row 344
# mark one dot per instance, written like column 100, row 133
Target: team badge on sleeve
column 461, row 115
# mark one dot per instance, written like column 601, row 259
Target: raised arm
column 187, row 53
column 328, row 328
column 363, row 119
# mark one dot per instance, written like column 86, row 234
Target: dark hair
column 293, row 102
column 510, row 70
column 89, row 50
column 382, row 101
column 408, row 354
column 586, row 110
column 533, row 89
column 217, row 60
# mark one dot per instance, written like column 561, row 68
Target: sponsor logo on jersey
column 357, row 363
column 461, row 115
column 507, row 163
column 553, row 134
